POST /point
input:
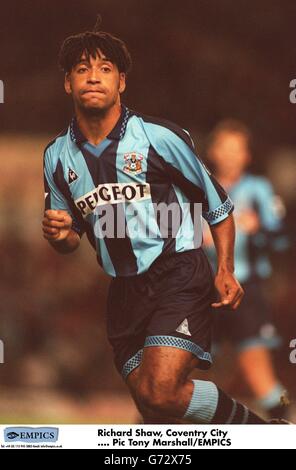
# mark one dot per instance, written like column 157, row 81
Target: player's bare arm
column 56, row 226
column 227, row 285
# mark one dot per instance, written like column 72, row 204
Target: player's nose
column 94, row 76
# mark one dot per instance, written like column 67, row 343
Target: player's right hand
column 56, row 225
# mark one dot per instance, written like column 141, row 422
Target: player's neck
column 95, row 128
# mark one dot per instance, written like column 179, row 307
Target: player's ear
column 67, row 84
column 122, row 82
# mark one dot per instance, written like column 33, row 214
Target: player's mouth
column 99, row 92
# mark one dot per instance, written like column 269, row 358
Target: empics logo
column 12, row 435
column 27, row 434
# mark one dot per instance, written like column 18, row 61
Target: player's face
column 95, row 84
column 230, row 153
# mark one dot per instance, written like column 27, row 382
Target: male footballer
column 108, row 165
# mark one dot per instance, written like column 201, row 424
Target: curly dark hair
column 89, row 43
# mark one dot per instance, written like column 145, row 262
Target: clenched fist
column 56, row 225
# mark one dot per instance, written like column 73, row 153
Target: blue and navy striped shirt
column 144, row 162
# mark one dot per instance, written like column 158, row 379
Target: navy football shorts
column 168, row 305
column 250, row 325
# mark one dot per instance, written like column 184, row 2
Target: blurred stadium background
column 195, row 62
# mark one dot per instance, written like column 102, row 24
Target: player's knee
column 155, row 397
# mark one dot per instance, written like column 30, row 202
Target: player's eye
column 82, row 69
column 106, row 68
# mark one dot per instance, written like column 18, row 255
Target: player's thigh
column 162, row 363
column 165, row 367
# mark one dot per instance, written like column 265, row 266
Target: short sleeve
column 189, row 172
column 55, row 198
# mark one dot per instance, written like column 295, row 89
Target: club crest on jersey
column 133, row 163
column 72, row 176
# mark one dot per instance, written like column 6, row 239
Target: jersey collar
column 117, row 132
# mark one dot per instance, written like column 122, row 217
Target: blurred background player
column 258, row 216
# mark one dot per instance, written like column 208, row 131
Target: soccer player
column 258, row 215
column 108, row 165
